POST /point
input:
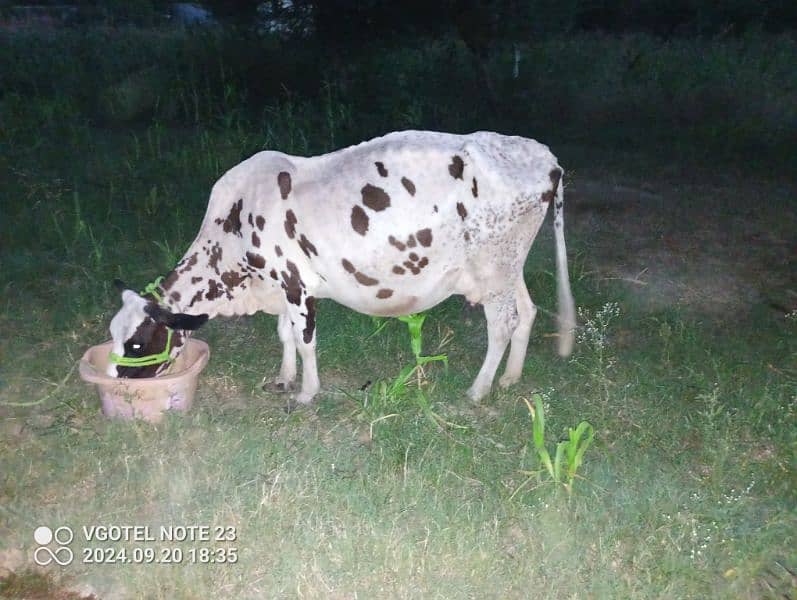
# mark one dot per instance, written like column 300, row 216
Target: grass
column 688, row 488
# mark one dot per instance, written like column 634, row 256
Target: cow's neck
column 203, row 283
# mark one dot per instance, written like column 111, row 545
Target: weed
column 569, row 453
column 595, row 357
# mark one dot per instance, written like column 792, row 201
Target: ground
column 711, row 249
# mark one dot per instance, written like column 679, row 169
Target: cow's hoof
column 476, row 394
column 304, row 398
column 506, row 380
column 278, row 386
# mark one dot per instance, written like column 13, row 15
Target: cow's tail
column 567, row 309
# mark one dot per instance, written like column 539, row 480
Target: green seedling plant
column 415, row 324
column 392, row 393
column 569, row 454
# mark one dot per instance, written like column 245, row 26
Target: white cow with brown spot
column 389, row 227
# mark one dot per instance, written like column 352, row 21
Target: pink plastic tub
column 149, row 397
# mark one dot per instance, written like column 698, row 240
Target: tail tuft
column 567, row 308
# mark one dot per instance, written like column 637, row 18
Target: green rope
column 152, row 288
column 144, row 361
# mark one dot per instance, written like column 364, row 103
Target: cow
column 389, row 227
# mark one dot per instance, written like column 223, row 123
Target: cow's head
column 146, row 336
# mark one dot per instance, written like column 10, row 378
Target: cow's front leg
column 285, row 380
column 302, row 320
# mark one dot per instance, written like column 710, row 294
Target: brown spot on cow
column 401, row 246
column 260, row 222
column 462, row 211
column 196, row 279
column 474, row 189
column 307, row 246
column 423, row 262
column 347, row 266
column 273, row 274
column 284, row 182
column 411, row 266
column 375, row 198
column 255, row 240
column 360, row 277
column 175, row 296
column 309, row 328
column 255, row 260
column 170, row 280
column 384, row 293
column 359, row 220
column 278, row 250
column 457, row 167
column 232, row 224
column 292, row 284
column 413, row 257
column 380, row 168
column 214, row 290
column 435, row 207
column 424, row 237
column 547, row 196
column 466, row 235
column 398, row 270
column 364, row 279
column 188, row 263
column 251, row 220
column 408, row 185
column 290, row 224
column 411, row 243
column 197, row 297
column 233, row 279
column 215, row 257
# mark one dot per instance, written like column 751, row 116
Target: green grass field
column 685, row 366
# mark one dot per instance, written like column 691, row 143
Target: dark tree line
column 380, row 19
column 481, row 21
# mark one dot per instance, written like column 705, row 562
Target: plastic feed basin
column 146, row 398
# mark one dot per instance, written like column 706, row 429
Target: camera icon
column 62, row 554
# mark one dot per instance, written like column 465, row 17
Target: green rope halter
column 144, row 361
column 150, row 359
column 152, row 288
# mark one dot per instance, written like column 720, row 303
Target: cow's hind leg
column 502, row 318
column 302, row 323
column 285, row 380
column 520, row 336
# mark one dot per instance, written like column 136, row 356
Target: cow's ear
column 172, row 320
column 186, row 322
column 120, row 285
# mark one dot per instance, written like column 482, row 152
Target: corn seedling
column 414, row 324
column 569, row 453
column 391, row 394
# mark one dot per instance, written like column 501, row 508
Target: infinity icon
column 51, row 556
